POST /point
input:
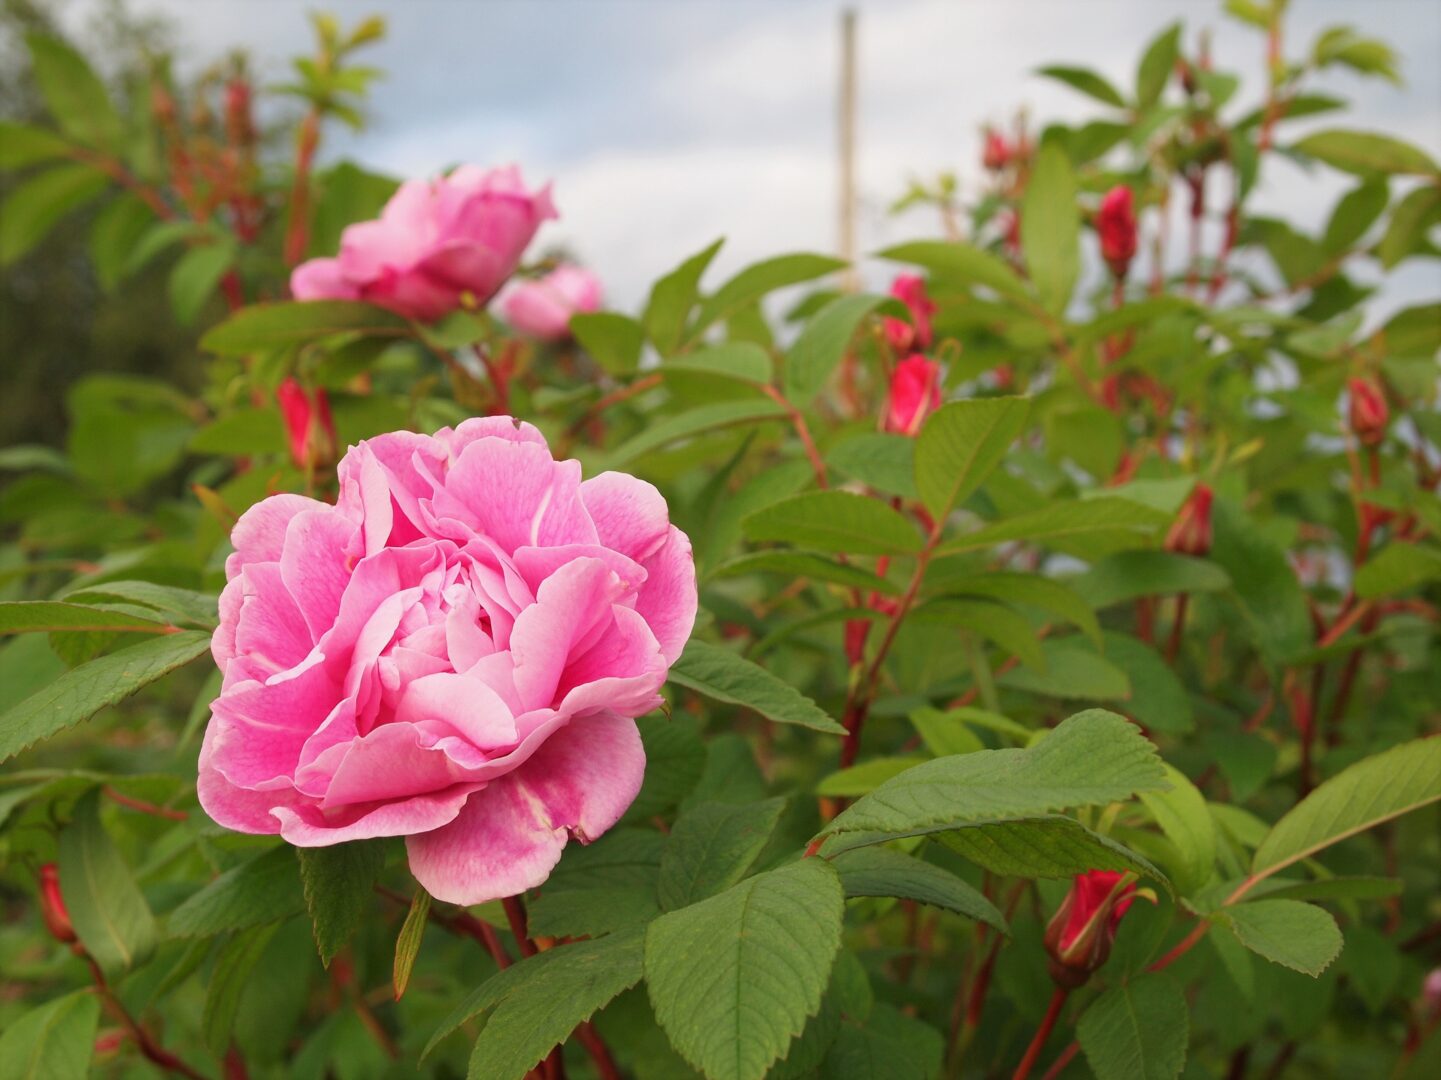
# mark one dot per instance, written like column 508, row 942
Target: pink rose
column 542, row 308
column 454, row 653
column 915, row 394
column 437, row 246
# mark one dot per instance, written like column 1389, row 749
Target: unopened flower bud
column 1116, row 226
column 308, row 424
column 1369, row 413
column 1190, row 534
column 52, row 906
column 1079, row 936
column 239, row 126
column 915, row 394
column 910, row 289
column 997, row 153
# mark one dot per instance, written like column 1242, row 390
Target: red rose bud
column 997, row 153
column 1116, row 226
column 1080, row 934
column 903, row 336
column 239, row 127
column 915, row 394
column 308, row 424
column 1190, row 533
column 1369, row 413
column 52, row 906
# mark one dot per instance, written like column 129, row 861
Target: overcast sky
column 666, row 123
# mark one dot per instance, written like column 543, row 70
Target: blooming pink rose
column 437, row 246
column 915, row 394
column 910, row 289
column 542, row 308
column 454, row 653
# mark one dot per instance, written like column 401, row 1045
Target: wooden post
column 850, row 281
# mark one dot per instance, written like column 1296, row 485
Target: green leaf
column 1090, row 758
column 1137, row 1031
column 1354, row 214
column 1011, row 631
column 970, row 264
column 1182, row 815
column 44, row 616
column 117, row 231
column 1051, row 228
column 672, row 298
column 885, row 461
column 21, row 145
column 1265, row 587
column 804, row 564
column 263, row 890
column 37, row 205
column 338, row 883
column 959, row 446
column 1101, row 522
column 1250, row 11
column 1086, row 81
column 878, row 871
column 945, row 732
column 1366, row 153
column 733, row 978
column 264, row 327
column 1032, row 590
column 1158, row 699
column 195, row 276
column 1071, row 670
column 106, row 907
column 1299, row 936
column 1156, row 67
column 722, row 675
column 613, row 340
column 864, row 778
column 743, row 360
column 711, row 847
column 823, row 343
column 53, row 1041
column 1337, row 888
column 1373, row 790
column 81, row 692
column 888, row 1045
column 702, row 418
column 407, row 942
column 835, row 521
column 1415, row 215
column 180, row 605
column 243, row 431
column 234, row 965
column 755, row 281
column 1052, row 846
column 1399, row 568
column 675, row 758
column 74, row 93
column 1129, row 575
column 532, row 1006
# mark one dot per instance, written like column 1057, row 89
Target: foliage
column 1152, row 595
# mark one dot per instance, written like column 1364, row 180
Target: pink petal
column 630, row 515
column 322, row 279
column 668, row 598
column 306, row 825
column 466, row 704
column 572, row 609
column 259, row 535
column 314, row 565
column 271, row 627
column 514, row 493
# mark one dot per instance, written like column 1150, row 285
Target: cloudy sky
column 666, row 123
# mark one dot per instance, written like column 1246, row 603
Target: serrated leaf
column 878, row 871
column 671, row 300
column 822, row 344
column 711, row 847
column 885, row 461
column 1090, row 758
column 674, row 758
column 805, row 564
column 338, row 883
column 702, row 418
column 45, row 616
column 1266, row 590
column 1052, row 846
column 725, row 676
column 108, row 911
column 1137, row 1031
column 83, row 691
column 52, row 1041
column 1032, row 590
column 1375, row 789
column 1128, row 575
column 1051, row 228
column 835, row 521
column 1299, row 936
column 888, row 1045
column 1182, row 815
column 864, row 778
column 1107, row 521
column 959, row 446
column 1072, row 670
column 734, row 978
column 1158, row 699
column 265, row 327
column 535, row 1004
column 407, row 942
column 757, row 280
column 612, row 339
column 265, row 889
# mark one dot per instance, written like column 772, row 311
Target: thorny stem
column 144, row 1041
column 144, row 807
column 615, row 397
column 1053, row 1012
column 297, row 236
column 803, row 432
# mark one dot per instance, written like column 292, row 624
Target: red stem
column 1053, row 1013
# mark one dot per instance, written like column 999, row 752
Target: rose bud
column 1369, row 413
column 542, row 308
column 915, row 394
column 1116, row 226
column 455, row 652
column 437, row 246
column 52, row 906
column 239, row 127
column 1080, row 934
column 1190, row 533
column 910, row 289
column 308, row 424
column 997, row 153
